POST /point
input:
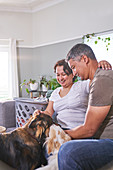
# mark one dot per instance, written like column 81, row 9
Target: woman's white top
column 71, row 109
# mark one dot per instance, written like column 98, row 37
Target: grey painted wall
column 35, row 62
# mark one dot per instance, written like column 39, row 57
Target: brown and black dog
column 23, row 148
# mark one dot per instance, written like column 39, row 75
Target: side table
column 25, row 108
column 38, row 91
column 31, row 93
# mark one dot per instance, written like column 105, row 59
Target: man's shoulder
column 104, row 73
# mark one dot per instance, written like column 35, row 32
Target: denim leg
column 88, row 154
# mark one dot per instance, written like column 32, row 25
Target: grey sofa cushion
column 7, row 113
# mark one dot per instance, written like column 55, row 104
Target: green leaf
column 96, row 42
column 108, row 38
column 99, row 38
column 93, row 34
column 21, row 88
column 87, row 36
column 27, row 90
column 83, row 37
column 32, row 81
column 53, row 83
column 22, row 84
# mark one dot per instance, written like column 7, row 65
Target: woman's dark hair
column 66, row 67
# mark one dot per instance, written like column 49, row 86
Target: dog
column 23, row 148
column 56, row 138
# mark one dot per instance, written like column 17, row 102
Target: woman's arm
column 49, row 110
column 105, row 65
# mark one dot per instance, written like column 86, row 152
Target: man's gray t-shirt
column 101, row 94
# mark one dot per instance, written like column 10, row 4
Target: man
column 93, row 147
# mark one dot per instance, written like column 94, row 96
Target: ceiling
column 26, row 5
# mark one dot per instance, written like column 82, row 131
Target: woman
column 69, row 101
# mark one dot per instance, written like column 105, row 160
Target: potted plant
column 53, row 84
column 44, row 83
column 32, row 84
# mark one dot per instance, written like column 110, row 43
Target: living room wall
column 64, row 21
column 71, row 19
column 16, row 25
column 35, row 62
column 48, row 34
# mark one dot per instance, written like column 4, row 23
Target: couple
column 84, row 118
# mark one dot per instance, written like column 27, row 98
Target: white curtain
column 13, row 71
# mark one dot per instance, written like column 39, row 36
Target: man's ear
column 85, row 59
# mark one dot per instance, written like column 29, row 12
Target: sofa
column 7, row 114
column 8, row 119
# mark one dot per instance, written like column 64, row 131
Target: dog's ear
column 56, row 138
column 32, row 124
column 40, row 130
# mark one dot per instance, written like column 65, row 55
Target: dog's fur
column 23, row 147
column 56, row 138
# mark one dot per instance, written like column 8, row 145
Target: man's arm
column 94, row 117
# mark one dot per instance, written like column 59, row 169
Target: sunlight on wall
column 100, row 48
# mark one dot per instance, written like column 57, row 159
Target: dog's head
column 39, row 126
column 56, row 138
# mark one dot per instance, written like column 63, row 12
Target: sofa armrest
column 7, row 114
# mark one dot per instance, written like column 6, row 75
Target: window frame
column 5, row 96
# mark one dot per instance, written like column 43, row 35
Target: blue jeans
column 87, row 154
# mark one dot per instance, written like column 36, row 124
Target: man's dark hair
column 66, row 67
column 79, row 50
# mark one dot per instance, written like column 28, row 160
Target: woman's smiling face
column 63, row 79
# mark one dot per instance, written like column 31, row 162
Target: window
column 102, row 47
column 4, row 73
column 9, row 87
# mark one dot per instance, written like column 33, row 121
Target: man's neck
column 93, row 68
